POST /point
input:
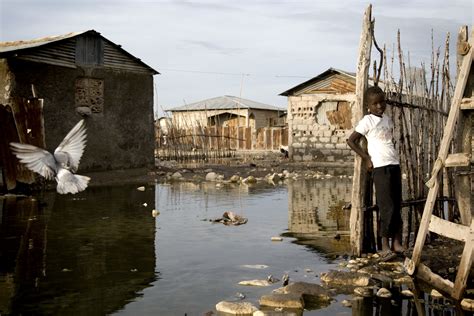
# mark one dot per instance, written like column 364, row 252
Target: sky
column 255, row 49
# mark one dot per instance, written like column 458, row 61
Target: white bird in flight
column 60, row 166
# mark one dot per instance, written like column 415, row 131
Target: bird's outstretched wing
column 72, row 146
column 36, row 159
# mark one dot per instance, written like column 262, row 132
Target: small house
column 319, row 117
column 85, row 75
column 227, row 111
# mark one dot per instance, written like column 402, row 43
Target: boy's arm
column 354, row 143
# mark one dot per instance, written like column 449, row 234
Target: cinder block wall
column 319, row 125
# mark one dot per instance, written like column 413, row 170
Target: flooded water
column 102, row 252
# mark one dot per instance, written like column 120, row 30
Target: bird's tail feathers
column 71, row 183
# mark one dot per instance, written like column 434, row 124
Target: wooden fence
column 217, row 142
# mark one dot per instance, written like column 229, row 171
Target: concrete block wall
column 311, row 136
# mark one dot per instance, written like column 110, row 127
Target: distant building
column 227, row 111
column 319, row 117
column 84, row 74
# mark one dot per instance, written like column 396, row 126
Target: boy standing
column 382, row 159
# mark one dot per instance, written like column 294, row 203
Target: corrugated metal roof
column 20, row 45
column 311, row 81
column 225, row 102
column 17, row 47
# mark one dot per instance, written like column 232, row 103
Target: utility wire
column 230, row 73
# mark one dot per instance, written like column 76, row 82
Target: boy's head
column 375, row 100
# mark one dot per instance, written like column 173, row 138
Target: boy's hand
column 369, row 163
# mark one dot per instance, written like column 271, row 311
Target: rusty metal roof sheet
column 225, row 102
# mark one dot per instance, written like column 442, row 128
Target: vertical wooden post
column 463, row 143
column 359, row 180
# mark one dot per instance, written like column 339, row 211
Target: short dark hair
column 374, row 91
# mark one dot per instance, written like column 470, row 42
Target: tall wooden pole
column 360, row 172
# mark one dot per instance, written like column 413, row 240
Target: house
column 227, row 111
column 85, row 75
column 319, row 117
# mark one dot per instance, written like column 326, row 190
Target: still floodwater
column 102, row 252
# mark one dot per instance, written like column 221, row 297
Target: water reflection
column 87, row 253
column 102, row 252
column 316, row 216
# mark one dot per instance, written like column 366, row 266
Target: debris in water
column 142, row 188
column 155, row 213
column 230, row 218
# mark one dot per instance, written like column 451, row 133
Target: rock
column 277, row 239
column 155, row 213
column 335, row 278
column 407, row 293
column 255, row 282
column 383, row 292
column 364, row 291
column 255, row 266
column 176, row 176
column 314, row 295
column 236, row 308
column 250, row 179
column 282, row 300
column 346, row 303
column 142, row 188
column 467, row 304
column 211, row 176
column 234, row 179
column 274, row 177
column 220, row 177
column 435, row 294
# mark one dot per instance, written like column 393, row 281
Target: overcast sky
column 255, row 49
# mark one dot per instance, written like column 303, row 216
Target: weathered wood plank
column 358, row 187
column 458, row 160
column 448, row 229
column 464, row 265
column 435, row 280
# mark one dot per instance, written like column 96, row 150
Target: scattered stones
column 211, row 176
column 435, row 294
column 407, row 293
column 234, row 179
column 314, row 295
column 176, row 176
column 467, row 304
column 344, row 278
column 255, row 266
column 236, row 308
column 383, row 292
column 249, row 179
column 275, row 312
column 255, row 283
column 364, row 291
column 346, row 303
column 282, row 300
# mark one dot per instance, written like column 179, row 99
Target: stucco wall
column 312, row 135
column 120, row 137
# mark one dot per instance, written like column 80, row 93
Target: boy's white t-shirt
column 379, row 133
